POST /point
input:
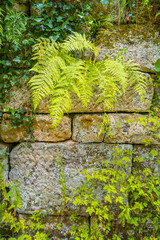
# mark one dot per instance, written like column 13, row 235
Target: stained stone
column 35, row 167
column 131, row 128
column 43, row 129
column 123, row 128
column 10, row 134
column 86, row 129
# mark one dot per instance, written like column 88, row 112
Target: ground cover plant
column 128, row 204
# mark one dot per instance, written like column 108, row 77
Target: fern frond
column 76, row 73
column 60, row 102
column 15, row 25
column 111, row 79
column 136, row 79
column 45, row 48
column 1, row 28
column 78, row 42
column 49, row 74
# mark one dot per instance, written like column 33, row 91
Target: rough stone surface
column 20, row 97
column 35, row 167
column 149, row 160
column 141, row 45
column 4, row 148
column 129, row 128
column 43, row 129
column 86, row 129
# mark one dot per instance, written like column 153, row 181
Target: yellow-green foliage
column 71, row 66
column 1, row 28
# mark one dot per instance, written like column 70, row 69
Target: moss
column 129, row 33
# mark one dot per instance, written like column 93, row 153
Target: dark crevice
column 29, row 8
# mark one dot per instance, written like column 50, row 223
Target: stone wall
column 76, row 141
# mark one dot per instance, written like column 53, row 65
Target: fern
column 137, row 80
column 58, row 72
column 1, row 28
column 15, row 26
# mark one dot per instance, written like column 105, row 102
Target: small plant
column 21, row 118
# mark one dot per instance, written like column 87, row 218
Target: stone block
column 86, row 129
column 128, row 102
column 43, row 129
column 130, row 128
column 35, row 167
column 141, row 45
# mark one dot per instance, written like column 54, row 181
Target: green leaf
column 157, row 65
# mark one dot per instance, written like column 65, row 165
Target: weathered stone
column 129, row 128
column 149, row 159
column 141, row 45
column 86, row 129
column 35, row 167
column 20, row 97
column 50, row 224
column 4, row 149
column 43, row 129
column 131, row 101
